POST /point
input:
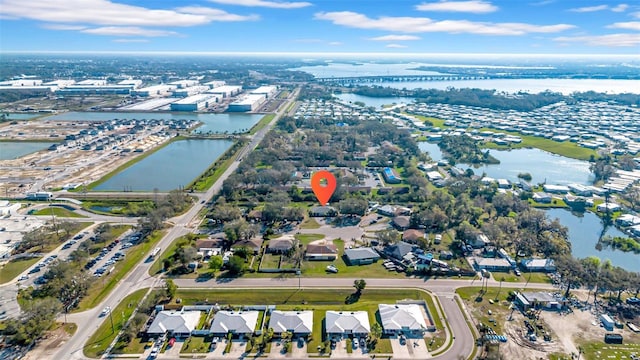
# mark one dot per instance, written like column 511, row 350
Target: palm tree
column 500, row 288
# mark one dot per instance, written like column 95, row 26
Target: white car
column 23, row 277
column 355, row 343
column 332, row 268
column 105, row 311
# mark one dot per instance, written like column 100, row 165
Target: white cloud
column 636, row 14
column 617, row 8
column 216, row 14
column 630, row 25
column 610, row 40
column 620, row 8
column 423, row 24
column 590, row 8
column 470, row 6
column 130, row 40
column 264, row 3
column 396, row 46
column 63, row 27
column 109, row 13
column 127, row 31
column 335, row 43
column 395, row 38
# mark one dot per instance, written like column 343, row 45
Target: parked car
column 355, row 344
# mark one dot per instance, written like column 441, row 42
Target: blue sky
column 389, row 26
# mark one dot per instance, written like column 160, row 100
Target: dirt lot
column 45, row 348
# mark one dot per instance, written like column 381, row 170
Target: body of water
column 14, row 149
column 432, row 148
column 211, row 122
column 543, row 167
column 365, row 69
column 584, row 232
column 376, row 102
column 564, row 86
column 169, row 168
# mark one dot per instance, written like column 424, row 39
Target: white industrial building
column 193, row 103
column 79, row 89
column 134, row 83
column 249, row 102
column 190, row 91
column 215, row 83
column 22, row 82
column 93, row 82
column 154, row 91
column 267, row 91
column 226, row 90
column 182, row 84
column 60, row 84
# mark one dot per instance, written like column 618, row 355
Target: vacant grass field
column 57, row 211
column 102, row 338
column 597, row 351
column 310, row 223
column 12, row 269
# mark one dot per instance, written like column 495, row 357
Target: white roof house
column 347, row 322
column 297, row 322
column 402, row 317
column 236, row 322
column 174, row 322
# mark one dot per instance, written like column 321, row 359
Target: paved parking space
column 340, row 351
column 299, row 349
column 238, row 348
column 412, row 349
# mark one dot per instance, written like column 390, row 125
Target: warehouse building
column 267, row 91
column 93, row 82
column 215, row 83
column 134, row 83
column 80, row 89
column 60, row 84
column 22, row 82
column 226, row 91
column 154, row 91
column 183, row 84
column 250, row 102
column 190, row 91
column 193, row 103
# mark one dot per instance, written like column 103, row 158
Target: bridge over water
column 398, row 78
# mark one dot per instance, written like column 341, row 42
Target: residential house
column 323, row 211
column 280, row 246
column 401, row 222
column 538, row 265
column 344, row 323
column 492, row 264
column 412, row 236
column 542, row 197
column 361, row 256
column 252, row 244
column 234, row 322
column 628, row 220
column 295, row 322
column 408, row 319
column 174, row 323
column 608, row 207
column 210, row 247
column 322, row 251
column 479, row 241
column 539, row 300
column 398, row 250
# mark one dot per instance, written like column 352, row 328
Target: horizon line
column 306, row 53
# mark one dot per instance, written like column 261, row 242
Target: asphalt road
column 139, row 278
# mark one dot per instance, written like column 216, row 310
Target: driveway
column 340, row 350
column 412, row 349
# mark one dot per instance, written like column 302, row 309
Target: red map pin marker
column 323, row 191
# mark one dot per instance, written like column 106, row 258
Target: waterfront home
column 491, row 264
column 542, row 197
column 556, row 189
column 628, row 220
column 608, row 207
column 344, row 323
column 538, row 265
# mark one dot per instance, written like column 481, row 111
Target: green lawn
column 15, row 267
column 211, row 175
column 57, row 211
column 270, row 261
column 262, row 123
column 196, row 344
column 310, row 223
column 103, row 286
column 598, row 350
column 532, row 277
column 307, row 238
column 102, row 338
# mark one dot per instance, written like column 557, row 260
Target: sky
column 322, row 26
